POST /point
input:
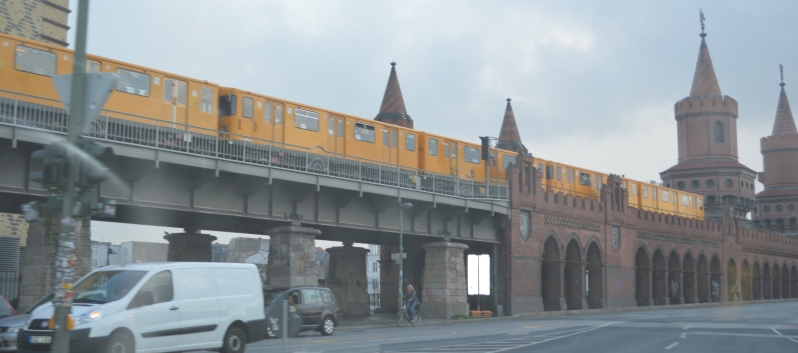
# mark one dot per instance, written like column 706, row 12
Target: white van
column 159, row 307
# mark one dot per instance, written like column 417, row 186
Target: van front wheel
column 119, row 343
column 234, row 341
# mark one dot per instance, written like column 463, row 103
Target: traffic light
column 485, row 147
column 92, row 169
column 54, row 175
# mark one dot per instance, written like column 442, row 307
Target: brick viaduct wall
column 656, row 258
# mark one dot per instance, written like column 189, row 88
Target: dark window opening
column 227, row 105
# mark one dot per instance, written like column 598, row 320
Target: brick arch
column 794, row 281
column 573, row 237
column 689, row 278
column 785, row 281
column 731, row 277
column 659, row 277
column 574, row 275
column 550, row 234
column 550, row 274
column 675, row 295
column 766, row 283
column 595, row 275
column 642, row 276
column 715, row 284
column 745, row 279
column 756, row 280
column 776, row 280
column 702, row 278
column 591, row 241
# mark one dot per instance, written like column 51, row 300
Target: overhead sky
column 592, row 83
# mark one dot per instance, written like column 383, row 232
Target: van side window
column 325, row 295
column 158, row 289
column 310, row 296
column 35, row 61
column 248, row 107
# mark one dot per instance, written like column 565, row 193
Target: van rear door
column 198, row 303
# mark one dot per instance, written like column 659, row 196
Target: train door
column 340, row 134
column 174, row 98
column 268, row 121
column 279, row 126
column 450, row 153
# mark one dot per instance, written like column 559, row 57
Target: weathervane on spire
column 701, row 14
column 781, row 70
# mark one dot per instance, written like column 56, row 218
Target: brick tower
column 509, row 138
column 707, row 131
column 776, row 205
column 392, row 110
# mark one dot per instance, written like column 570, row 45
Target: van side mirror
column 142, row 299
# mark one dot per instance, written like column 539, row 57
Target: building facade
column 373, row 275
column 137, row 251
column 105, row 254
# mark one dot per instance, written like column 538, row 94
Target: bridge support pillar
column 445, row 291
column 38, row 261
column 292, row 257
column 190, row 246
column 347, row 279
column 389, row 277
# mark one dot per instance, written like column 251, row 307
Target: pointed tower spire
column 509, row 138
column 784, row 124
column 704, row 81
column 393, row 109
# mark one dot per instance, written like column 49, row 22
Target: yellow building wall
column 40, row 20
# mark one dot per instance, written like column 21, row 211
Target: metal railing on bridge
column 32, row 112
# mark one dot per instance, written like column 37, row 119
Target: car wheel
column 327, row 326
column 119, row 342
column 270, row 333
column 234, row 341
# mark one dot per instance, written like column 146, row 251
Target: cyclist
column 411, row 301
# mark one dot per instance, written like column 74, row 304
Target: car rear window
column 326, row 296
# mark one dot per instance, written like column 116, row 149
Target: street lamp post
column 402, row 207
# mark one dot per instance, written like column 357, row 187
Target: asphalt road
column 771, row 327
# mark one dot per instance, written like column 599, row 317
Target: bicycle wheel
column 401, row 318
column 416, row 318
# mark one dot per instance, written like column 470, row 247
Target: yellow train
column 172, row 111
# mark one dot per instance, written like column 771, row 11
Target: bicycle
column 402, row 318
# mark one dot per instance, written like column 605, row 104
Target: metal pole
column 285, row 325
column 401, row 253
column 65, row 258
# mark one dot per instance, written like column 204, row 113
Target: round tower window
column 695, row 184
column 680, row 185
column 791, row 208
column 779, row 208
column 711, row 184
column 766, row 209
column 729, row 183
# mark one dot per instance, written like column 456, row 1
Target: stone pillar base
column 445, row 290
column 348, row 280
column 194, row 247
column 292, row 257
column 583, row 302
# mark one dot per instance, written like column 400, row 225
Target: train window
column 132, row 82
column 331, row 125
column 410, row 142
column 247, row 107
column 454, row 151
column 227, row 105
column 446, row 150
column 385, row 138
column 168, row 87
column 364, row 132
column 598, row 181
column 278, row 114
column 393, row 138
column 206, row 100
column 584, row 179
column 549, row 172
column 182, row 92
column 471, row 154
column 433, row 147
column 35, row 61
column 341, row 127
column 559, row 173
column 267, row 112
column 692, row 201
column 507, row 160
column 653, row 194
column 306, row 119
column 634, row 189
column 569, row 175
column 685, row 200
column 168, row 91
column 493, row 158
column 93, row 67
column 540, row 165
column 645, row 191
column 701, row 203
column 665, row 196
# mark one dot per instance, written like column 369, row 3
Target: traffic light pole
column 65, row 258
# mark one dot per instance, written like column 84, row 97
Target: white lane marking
column 776, row 331
column 556, row 338
column 674, row 344
column 688, row 326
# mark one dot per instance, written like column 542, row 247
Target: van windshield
column 106, row 286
